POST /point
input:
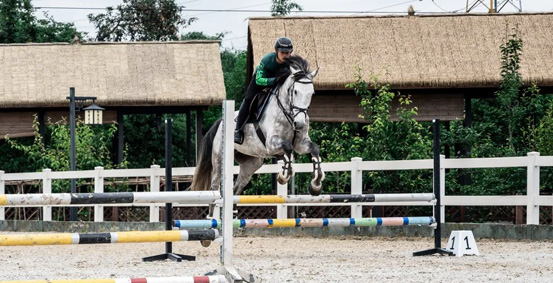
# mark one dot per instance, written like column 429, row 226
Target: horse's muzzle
column 299, row 126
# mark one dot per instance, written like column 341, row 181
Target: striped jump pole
column 186, row 279
column 309, row 222
column 107, row 238
column 188, row 197
column 196, row 197
column 333, row 198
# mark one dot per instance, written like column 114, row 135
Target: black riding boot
column 240, row 121
column 244, row 111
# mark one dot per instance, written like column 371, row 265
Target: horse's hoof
column 314, row 191
column 205, row 243
column 281, row 180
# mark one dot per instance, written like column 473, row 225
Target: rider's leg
column 243, row 113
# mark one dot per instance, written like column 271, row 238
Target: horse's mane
column 296, row 62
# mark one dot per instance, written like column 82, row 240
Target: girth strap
column 259, row 133
column 262, row 137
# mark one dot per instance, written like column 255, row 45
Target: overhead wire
column 244, row 11
column 447, row 11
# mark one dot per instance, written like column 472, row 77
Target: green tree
column 148, row 20
column 199, row 35
column 145, row 140
column 379, row 139
column 92, row 148
column 19, row 25
column 284, row 7
column 234, row 73
column 141, row 20
column 514, row 122
column 384, row 139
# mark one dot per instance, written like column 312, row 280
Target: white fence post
column 2, row 192
column 154, row 188
column 532, row 189
column 356, row 187
column 98, row 188
column 442, row 188
column 47, row 189
column 227, row 181
column 282, row 190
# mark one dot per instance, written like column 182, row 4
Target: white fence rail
column 532, row 200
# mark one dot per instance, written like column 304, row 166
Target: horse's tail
column 202, row 174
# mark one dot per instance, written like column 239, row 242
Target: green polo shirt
column 266, row 72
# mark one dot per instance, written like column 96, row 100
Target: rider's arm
column 260, row 75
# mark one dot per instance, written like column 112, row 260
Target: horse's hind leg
column 216, row 160
column 248, row 166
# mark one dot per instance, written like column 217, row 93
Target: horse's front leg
column 277, row 145
column 307, row 146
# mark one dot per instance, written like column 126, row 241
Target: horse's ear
column 294, row 70
column 314, row 73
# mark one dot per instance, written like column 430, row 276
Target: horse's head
column 297, row 91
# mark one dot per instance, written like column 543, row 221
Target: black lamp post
column 93, row 115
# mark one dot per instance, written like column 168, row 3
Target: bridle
column 290, row 116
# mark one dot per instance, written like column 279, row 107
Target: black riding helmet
column 284, row 44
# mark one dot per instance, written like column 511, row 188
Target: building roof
column 434, row 51
column 181, row 73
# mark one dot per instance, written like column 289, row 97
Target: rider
column 266, row 75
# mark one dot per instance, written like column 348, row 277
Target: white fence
column 532, row 200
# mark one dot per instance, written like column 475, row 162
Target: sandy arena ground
column 290, row 259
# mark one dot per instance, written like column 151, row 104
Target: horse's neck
column 274, row 113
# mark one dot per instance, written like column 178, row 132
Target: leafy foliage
column 141, row 20
column 515, row 122
column 198, row 35
column 91, row 149
column 145, row 137
column 284, row 7
column 379, row 139
column 384, row 139
column 19, row 25
column 234, row 72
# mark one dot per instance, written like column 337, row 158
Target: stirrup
column 238, row 137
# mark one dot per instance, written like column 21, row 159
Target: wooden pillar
column 120, row 137
column 188, row 160
column 465, row 151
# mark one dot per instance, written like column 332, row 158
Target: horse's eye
column 295, row 92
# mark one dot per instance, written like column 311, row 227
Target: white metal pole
column 532, row 189
column 47, row 189
column 356, row 187
column 282, row 190
column 98, row 188
column 154, row 188
column 2, row 191
column 227, row 182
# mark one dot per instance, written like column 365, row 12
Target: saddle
column 259, row 104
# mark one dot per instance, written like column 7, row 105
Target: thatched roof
column 437, row 51
column 182, row 73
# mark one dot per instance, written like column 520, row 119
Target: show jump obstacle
column 215, row 228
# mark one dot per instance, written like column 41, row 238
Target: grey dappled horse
column 285, row 126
